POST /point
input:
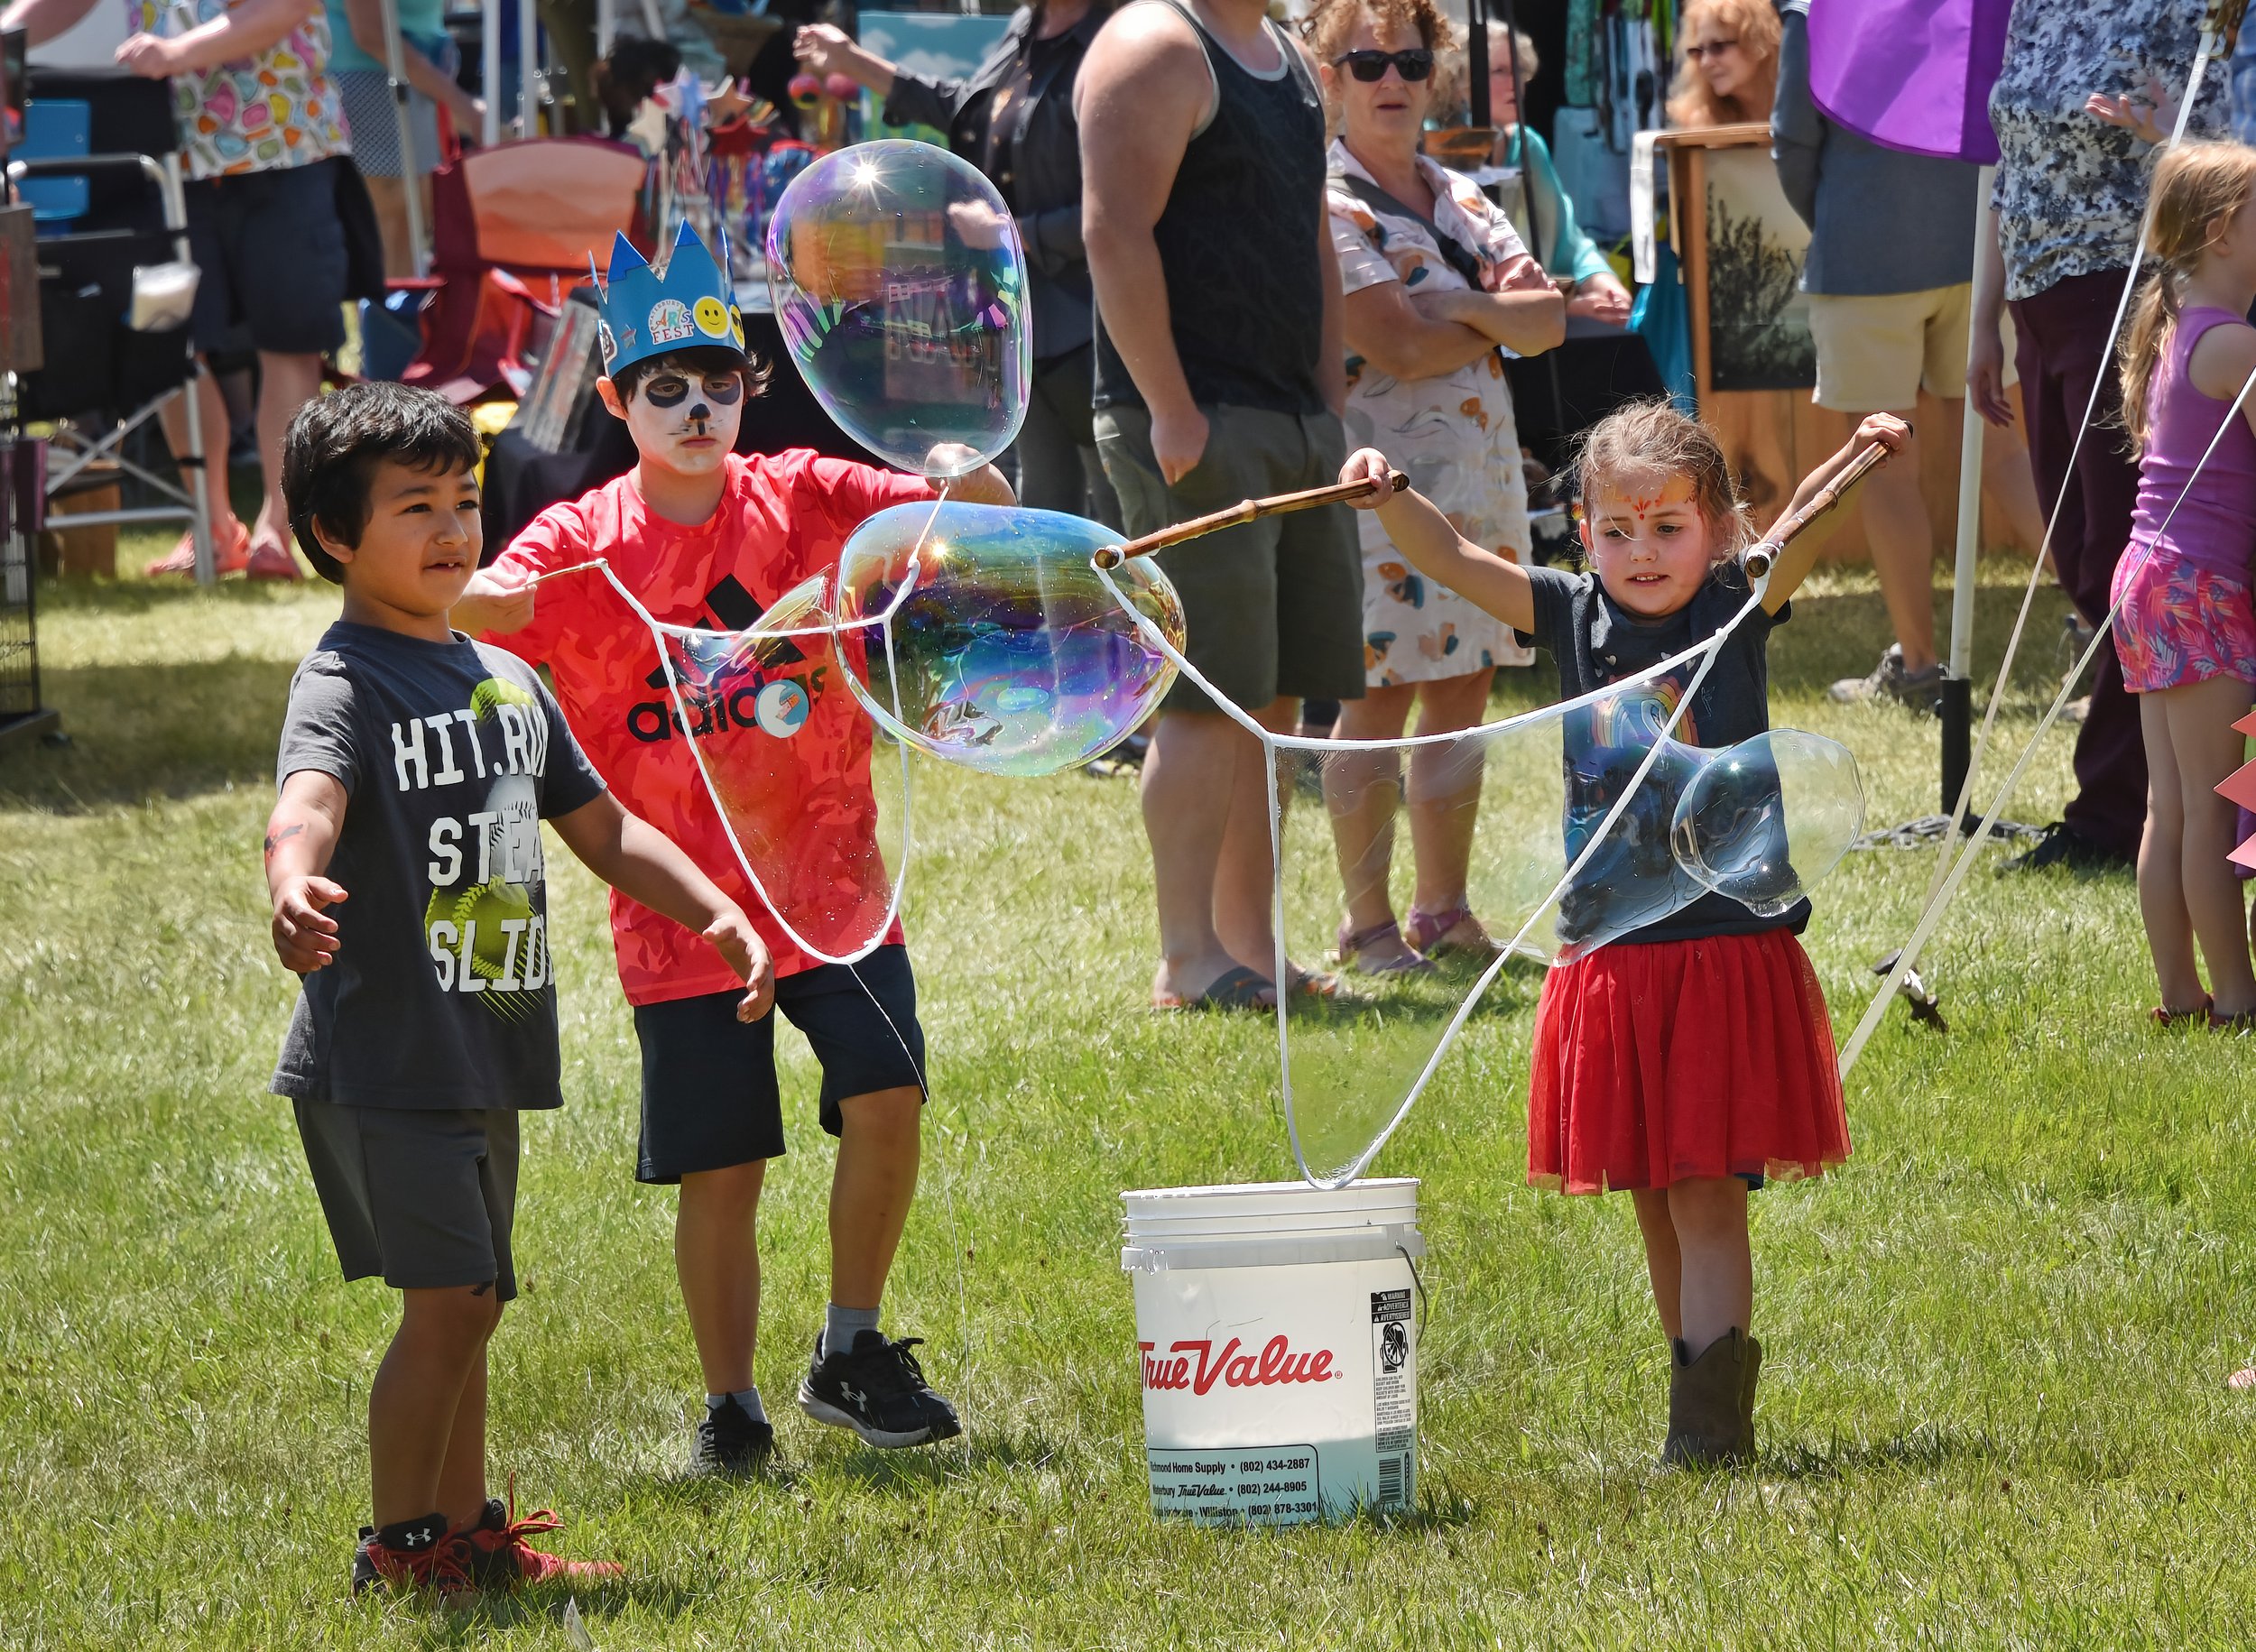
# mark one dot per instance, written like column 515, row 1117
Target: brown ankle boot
column 1710, row 1403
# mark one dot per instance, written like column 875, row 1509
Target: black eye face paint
column 667, row 390
column 725, row 391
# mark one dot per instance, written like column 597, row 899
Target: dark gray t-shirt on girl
column 442, row 992
column 1594, row 641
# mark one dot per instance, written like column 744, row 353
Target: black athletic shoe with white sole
column 877, row 1388
column 730, row 1440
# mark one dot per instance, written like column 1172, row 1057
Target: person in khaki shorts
column 1220, row 377
column 1890, row 280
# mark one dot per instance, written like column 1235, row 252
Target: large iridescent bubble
column 992, row 641
column 1766, row 819
column 899, row 285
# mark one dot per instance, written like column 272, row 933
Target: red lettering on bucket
column 1195, row 1366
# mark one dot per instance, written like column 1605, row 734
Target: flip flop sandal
column 1352, row 944
column 1456, row 930
column 1238, row 988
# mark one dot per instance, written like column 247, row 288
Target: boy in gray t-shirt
column 405, row 860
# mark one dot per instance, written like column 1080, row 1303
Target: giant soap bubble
column 899, row 287
column 993, row 643
column 1766, row 819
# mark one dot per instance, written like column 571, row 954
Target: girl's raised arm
column 1795, row 562
column 1430, row 545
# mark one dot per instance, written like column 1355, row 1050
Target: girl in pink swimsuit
column 2185, row 632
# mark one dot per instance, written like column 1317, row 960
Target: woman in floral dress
column 1437, row 285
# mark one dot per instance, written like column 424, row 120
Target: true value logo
column 1196, row 1366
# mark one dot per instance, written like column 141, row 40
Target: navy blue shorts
column 710, row 1099
column 272, row 250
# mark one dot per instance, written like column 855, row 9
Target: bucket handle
column 1411, row 1264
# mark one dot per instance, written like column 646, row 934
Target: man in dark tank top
column 1219, row 377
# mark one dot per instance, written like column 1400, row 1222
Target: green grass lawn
column 1995, row 1409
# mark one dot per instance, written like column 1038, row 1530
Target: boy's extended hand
column 305, row 938
column 491, row 603
column 734, row 938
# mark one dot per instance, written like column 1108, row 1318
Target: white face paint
column 687, row 422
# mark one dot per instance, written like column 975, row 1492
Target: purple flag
column 1913, row 75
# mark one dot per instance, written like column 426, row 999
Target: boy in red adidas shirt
column 706, row 537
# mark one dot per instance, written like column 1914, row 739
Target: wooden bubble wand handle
column 1246, row 511
column 1760, row 558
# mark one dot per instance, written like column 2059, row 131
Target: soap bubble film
column 1769, row 817
column 899, row 287
column 1758, row 822
column 993, row 643
column 816, row 798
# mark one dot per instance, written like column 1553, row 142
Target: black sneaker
column 877, row 1388
column 2063, row 846
column 730, row 1440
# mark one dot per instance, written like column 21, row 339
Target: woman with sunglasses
column 1436, row 282
column 1730, row 69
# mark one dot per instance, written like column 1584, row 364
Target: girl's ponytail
column 2153, row 317
column 2198, row 188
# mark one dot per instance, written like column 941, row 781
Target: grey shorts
column 425, row 1198
column 1274, row 607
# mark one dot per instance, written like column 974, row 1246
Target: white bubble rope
column 1705, row 652
column 1907, row 955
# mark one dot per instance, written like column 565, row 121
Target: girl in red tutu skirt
column 1685, row 1061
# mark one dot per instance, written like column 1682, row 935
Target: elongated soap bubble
column 992, row 643
column 899, row 286
column 1765, row 819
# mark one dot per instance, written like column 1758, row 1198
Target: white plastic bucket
column 1277, row 1337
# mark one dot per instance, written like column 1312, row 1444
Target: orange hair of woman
column 1757, row 28
column 1329, row 22
column 1651, row 442
column 2196, row 189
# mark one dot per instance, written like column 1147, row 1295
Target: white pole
column 529, row 69
column 606, row 25
column 490, row 69
column 411, row 191
column 1962, row 596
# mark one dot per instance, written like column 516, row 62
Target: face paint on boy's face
column 688, row 422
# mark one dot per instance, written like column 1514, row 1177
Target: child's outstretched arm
column 644, row 864
column 986, row 486
column 1791, row 569
column 1430, row 545
column 301, row 836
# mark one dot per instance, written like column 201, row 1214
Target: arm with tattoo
column 301, row 836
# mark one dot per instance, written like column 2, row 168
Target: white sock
column 747, row 1398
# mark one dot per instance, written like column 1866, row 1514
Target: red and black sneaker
column 497, row 1553
column 409, row 1554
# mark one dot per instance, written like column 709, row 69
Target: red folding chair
column 512, row 231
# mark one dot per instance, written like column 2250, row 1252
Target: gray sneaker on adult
column 1920, row 690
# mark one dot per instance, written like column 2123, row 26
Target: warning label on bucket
column 1272, row 1484
column 1395, row 1392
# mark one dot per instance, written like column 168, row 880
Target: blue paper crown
column 645, row 313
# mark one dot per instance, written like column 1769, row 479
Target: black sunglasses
column 1416, row 64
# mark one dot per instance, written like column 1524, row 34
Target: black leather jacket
column 1034, row 161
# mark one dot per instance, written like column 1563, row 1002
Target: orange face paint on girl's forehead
column 1645, row 498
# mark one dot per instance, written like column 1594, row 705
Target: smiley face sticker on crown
column 712, row 317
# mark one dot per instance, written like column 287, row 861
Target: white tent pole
column 490, row 69
column 606, row 25
column 529, row 69
column 1962, row 596
column 410, row 182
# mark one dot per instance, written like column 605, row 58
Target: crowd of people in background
column 1241, row 257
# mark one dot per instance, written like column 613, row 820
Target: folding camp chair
column 122, row 206
column 513, row 229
